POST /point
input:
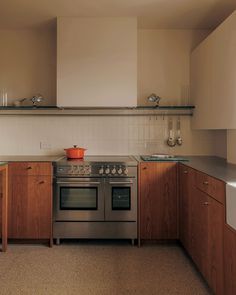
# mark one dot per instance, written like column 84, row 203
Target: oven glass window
column 121, row 198
column 78, row 198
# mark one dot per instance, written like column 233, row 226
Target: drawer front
column 30, row 168
column 213, row 187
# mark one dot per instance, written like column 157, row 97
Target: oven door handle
column 84, row 182
column 121, row 182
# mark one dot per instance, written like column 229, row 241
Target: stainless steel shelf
column 137, row 111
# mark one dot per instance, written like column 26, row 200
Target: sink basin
column 162, row 157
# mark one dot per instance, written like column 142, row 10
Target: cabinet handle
column 144, row 168
column 206, row 203
column 1, row 195
column 28, row 168
column 42, row 182
column 185, row 171
column 205, row 182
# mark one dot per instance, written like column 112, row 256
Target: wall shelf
column 136, row 111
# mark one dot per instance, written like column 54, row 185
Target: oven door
column 121, row 199
column 79, row 199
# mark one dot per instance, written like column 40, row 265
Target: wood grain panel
column 186, row 186
column 215, row 245
column 199, row 230
column 30, row 203
column 212, row 186
column 4, row 205
column 158, row 201
column 30, row 168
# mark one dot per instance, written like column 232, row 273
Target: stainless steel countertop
column 211, row 165
column 30, row 158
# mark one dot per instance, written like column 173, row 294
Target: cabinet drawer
column 30, row 168
column 213, row 187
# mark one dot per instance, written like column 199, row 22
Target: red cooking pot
column 75, row 152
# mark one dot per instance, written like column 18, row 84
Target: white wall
column 97, row 62
column 100, row 135
column 163, row 67
column 28, row 63
column 164, row 64
column 231, row 146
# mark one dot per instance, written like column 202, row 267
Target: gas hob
column 94, row 166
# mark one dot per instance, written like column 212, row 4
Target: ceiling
column 161, row 14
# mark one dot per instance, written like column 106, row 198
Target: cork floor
column 98, row 268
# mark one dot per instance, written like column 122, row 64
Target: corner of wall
column 231, row 146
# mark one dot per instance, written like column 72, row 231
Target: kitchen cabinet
column 3, row 204
column 97, row 62
column 30, row 200
column 213, row 77
column 207, row 219
column 186, row 188
column 158, row 200
column 229, row 260
column 207, row 230
column 199, row 230
column 201, row 218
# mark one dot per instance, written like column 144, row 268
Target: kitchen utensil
column 18, row 102
column 171, row 140
column 36, row 99
column 75, row 152
column 154, row 98
column 179, row 140
column 4, row 96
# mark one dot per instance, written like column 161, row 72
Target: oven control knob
column 126, row 171
column 101, row 170
column 88, row 170
column 107, row 170
column 71, row 170
column 119, row 171
column 113, row 171
column 81, row 170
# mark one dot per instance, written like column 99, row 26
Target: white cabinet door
column 213, row 78
column 97, row 62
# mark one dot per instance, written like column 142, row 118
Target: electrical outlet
column 44, row 145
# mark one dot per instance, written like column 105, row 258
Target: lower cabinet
column 30, row 201
column 186, row 186
column 229, row 260
column 215, row 245
column 199, row 231
column 201, row 220
column 207, row 220
column 158, row 201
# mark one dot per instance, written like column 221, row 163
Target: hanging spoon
column 171, row 140
column 179, row 140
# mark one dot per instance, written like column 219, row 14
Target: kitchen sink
column 162, row 158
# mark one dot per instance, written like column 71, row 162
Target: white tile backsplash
column 100, row 135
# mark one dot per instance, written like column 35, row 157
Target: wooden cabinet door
column 229, row 261
column 158, row 200
column 30, row 207
column 215, row 246
column 199, row 230
column 186, row 178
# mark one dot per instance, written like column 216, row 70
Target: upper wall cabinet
column 213, row 78
column 97, row 62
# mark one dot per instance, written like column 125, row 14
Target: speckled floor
column 98, row 268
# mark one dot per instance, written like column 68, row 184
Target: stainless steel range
column 95, row 198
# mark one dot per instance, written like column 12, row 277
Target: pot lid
column 75, row 147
